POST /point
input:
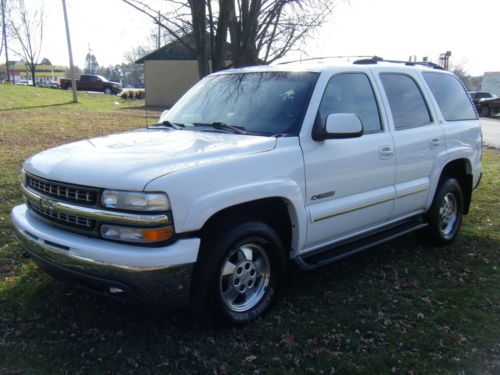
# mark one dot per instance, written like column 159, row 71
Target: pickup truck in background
column 89, row 82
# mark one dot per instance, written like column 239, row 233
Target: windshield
column 264, row 103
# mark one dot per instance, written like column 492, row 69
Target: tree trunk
column 198, row 15
column 219, row 57
column 33, row 69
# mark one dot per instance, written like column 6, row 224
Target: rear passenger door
column 418, row 140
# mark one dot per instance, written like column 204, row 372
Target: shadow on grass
column 146, row 108
column 35, row 106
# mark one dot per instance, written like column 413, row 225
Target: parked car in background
column 488, row 107
column 89, row 82
column 49, row 84
column 477, row 96
column 24, row 82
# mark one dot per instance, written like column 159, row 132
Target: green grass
column 401, row 308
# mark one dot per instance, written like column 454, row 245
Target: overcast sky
column 393, row 29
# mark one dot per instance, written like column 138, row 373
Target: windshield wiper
column 223, row 126
column 168, row 124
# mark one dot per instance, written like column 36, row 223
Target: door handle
column 386, row 152
column 435, row 142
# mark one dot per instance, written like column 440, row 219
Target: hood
column 128, row 161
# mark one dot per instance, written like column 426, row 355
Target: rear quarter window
column 450, row 96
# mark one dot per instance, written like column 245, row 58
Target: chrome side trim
column 351, row 209
column 94, row 213
column 411, row 192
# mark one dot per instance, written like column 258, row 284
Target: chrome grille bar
column 62, row 191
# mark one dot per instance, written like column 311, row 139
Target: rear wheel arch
column 461, row 170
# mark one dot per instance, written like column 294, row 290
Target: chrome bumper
column 132, row 272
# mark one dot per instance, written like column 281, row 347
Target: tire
column 238, row 274
column 107, row 91
column 492, row 112
column 444, row 217
column 485, row 111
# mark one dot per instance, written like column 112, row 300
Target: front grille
column 70, row 193
column 63, row 219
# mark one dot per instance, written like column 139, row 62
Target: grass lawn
column 400, row 308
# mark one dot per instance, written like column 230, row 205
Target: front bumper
column 160, row 275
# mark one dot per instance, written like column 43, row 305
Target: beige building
column 169, row 72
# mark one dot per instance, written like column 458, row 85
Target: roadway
column 491, row 132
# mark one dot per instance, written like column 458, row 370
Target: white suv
column 309, row 162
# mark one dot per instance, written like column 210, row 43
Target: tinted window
column 351, row 93
column 450, row 97
column 406, row 101
column 481, row 95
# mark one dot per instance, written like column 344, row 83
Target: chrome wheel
column 448, row 215
column 244, row 276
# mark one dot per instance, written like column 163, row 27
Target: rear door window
column 406, row 101
column 450, row 96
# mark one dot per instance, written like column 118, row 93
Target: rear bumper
column 159, row 275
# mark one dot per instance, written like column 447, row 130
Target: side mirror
column 343, row 125
column 163, row 116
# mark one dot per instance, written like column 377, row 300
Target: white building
column 491, row 83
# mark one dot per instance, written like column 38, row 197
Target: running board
column 329, row 255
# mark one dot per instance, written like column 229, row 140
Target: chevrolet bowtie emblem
column 47, row 203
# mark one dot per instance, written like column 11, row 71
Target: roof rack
column 323, row 58
column 377, row 59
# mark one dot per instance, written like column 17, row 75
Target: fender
column 196, row 194
column 203, row 208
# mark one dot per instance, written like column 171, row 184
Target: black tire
column 492, row 112
column 212, row 292
column 485, row 111
column 445, row 214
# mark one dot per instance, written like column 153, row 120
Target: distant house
column 491, row 83
column 169, row 72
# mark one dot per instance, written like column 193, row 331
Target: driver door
column 350, row 181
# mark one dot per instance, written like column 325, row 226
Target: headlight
column 142, row 235
column 135, row 201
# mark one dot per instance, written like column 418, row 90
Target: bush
column 132, row 94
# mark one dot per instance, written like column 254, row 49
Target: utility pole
column 71, row 67
column 5, row 41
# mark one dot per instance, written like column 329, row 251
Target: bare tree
column 26, row 27
column 249, row 31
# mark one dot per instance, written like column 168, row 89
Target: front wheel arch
column 206, row 292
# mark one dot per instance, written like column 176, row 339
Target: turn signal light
column 155, row 235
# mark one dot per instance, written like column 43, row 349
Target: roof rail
column 377, row 59
column 322, row 58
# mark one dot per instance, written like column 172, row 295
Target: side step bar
column 329, row 255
